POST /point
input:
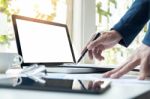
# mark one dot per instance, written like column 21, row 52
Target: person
column 124, row 33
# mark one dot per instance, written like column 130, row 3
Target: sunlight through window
column 51, row 10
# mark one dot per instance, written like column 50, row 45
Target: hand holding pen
column 85, row 50
column 99, row 43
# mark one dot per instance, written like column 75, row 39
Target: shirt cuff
column 146, row 39
column 126, row 40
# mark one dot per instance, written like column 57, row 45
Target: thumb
column 142, row 76
column 143, row 69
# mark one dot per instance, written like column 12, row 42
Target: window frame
column 84, row 25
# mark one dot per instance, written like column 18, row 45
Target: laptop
column 47, row 43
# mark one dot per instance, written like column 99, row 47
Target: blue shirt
column 133, row 21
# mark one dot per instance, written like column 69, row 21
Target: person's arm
column 133, row 21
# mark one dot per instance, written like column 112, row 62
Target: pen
column 82, row 85
column 86, row 50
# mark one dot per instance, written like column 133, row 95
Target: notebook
column 47, row 43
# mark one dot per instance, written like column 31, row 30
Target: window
column 83, row 24
column 87, row 20
column 84, row 17
column 109, row 13
column 51, row 10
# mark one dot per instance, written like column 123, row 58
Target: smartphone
column 64, row 85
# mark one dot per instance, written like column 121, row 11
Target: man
column 123, row 33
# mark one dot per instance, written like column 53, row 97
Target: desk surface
column 119, row 90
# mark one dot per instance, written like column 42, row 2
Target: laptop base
column 76, row 70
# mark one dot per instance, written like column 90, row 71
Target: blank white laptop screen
column 43, row 42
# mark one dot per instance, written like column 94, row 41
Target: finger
column 109, row 73
column 97, row 85
column 90, row 54
column 105, row 38
column 144, row 70
column 94, row 43
column 90, row 85
column 125, row 69
column 97, row 53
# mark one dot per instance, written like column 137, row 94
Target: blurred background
column 83, row 17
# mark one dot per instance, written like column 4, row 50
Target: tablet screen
column 64, row 85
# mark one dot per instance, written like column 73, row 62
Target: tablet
column 63, row 85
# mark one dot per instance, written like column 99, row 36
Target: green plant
column 105, row 13
column 4, row 9
column 4, row 6
column 5, row 39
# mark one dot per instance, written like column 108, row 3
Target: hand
column 95, row 85
column 105, row 41
column 140, row 57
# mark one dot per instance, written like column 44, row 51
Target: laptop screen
column 41, row 41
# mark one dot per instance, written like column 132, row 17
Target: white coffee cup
column 9, row 60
